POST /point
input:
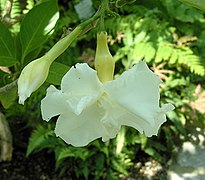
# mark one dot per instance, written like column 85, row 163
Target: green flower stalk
column 35, row 73
column 104, row 62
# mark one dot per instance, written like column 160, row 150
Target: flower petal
column 138, row 123
column 82, row 87
column 79, row 130
column 112, row 114
column 53, row 104
column 137, row 90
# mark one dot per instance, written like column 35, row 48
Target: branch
column 8, row 87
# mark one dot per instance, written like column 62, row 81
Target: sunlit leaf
column 37, row 25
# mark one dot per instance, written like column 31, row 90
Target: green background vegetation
column 168, row 34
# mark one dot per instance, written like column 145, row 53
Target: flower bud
column 32, row 77
column 36, row 72
column 104, row 62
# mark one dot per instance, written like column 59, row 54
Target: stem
column 104, row 8
column 8, row 87
column 63, row 44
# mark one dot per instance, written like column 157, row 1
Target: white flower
column 89, row 109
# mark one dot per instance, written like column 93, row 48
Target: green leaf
column 163, row 53
column 150, row 52
column 143, row 50
column 57, row 71
column 193, row 62
column 176, row 119
column 7, row 98
column 69, row 151
column 152, row 152
column 118, row 167
column 33, row 54
column 174, row 57
column 7, row 47
column 200, row 4
column 140, row 50
column 37, row 25
column 38, row 138
column 182, row 12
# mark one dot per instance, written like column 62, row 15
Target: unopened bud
column 32, row 77
column 36, row 72
column 104, row 62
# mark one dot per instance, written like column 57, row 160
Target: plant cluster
column 168, row 35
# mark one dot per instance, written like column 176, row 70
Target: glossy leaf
column 57, row 71
column 37, row 25
column 7, row 47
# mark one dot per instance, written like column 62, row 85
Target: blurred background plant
column 168, row 34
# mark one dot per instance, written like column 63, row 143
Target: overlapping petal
column 137, row 91
column 111, row 119
column 81, row 86
column 129, row 119
column 79, row 130
column 53, row 104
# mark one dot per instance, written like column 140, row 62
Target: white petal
column 53, row 104
column 143, row 126
column 79, row 130
column 111, row 119
column 82, row 87
column 137, row 90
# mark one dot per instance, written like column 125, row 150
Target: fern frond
column 183, row 56
column 144, row 50
column 39, row 138
column 29, row 5
column 69, row 151
column 164, row 52
column 16, row 9
column 193, row 62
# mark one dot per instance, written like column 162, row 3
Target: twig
column 8, row 87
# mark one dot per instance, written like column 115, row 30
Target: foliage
column 93, row 161
column 167, row 34
column 18, row 50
